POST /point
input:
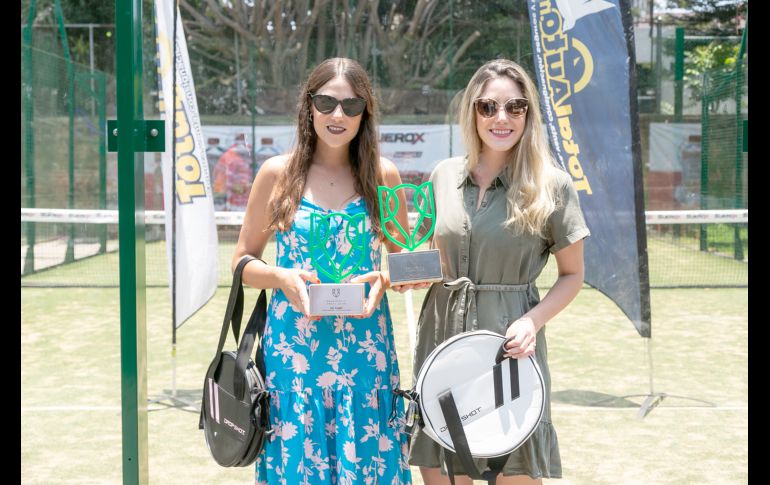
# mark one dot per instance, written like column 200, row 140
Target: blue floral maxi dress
column 331, row 380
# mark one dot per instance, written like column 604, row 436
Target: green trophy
column 422, row 266
column 338, row 245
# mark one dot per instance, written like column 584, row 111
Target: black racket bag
column 235, row 407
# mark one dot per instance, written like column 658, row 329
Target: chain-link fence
column 693, row 100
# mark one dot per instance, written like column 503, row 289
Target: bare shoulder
column 389, row 170
column 387, row 166
column 274, row 166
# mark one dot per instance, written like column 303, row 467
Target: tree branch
column 438, row 79
column 227, row 21
column 200, row 19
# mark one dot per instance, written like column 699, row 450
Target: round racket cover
column 231, row 431
column 499, row 407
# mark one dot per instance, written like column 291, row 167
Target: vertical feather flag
column 584, row 62
column 191, row 233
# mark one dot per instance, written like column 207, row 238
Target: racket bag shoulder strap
column 460, row 441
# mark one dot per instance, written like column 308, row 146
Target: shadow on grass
column 184, row 399
column 600, row 400
column 590, row 398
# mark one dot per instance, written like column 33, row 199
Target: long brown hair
column 364, row 149
column 531, row 168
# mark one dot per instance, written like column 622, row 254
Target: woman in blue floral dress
column 331, row 378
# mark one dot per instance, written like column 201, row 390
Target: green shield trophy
column 338, row 246
column 423, row 266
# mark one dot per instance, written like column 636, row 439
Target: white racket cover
column 464, row 364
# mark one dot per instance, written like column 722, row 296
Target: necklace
column 329, row 179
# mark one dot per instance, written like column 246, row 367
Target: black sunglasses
column 488, row 108
column 326, row 104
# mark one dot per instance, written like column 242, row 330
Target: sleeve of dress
column 566, row 225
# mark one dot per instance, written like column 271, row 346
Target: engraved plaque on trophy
column 414, row 266
column 338, row 245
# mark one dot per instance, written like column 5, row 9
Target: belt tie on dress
column 464, row 290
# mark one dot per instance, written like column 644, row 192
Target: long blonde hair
column 531, row 169
column 364, row 148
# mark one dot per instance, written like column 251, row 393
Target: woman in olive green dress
column 500, row 211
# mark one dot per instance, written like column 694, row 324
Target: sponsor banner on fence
column 415, row 149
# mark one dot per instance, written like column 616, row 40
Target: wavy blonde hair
column 531, row 168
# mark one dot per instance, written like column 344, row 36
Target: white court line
column 656, row 408
column 38, row 409
column 43, row 409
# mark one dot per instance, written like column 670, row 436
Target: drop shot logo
column 471, row 414
column 229, row 423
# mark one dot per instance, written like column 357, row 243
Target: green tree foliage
column 716, row 61
column 77, row 12
column 417, row 45
column 239, row 48
column 712, row 17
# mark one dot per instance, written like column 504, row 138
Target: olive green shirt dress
column 489, row 282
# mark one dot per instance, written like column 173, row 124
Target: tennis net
column 79, row 248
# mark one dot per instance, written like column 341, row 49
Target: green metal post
column 658, row 64
column 70, row 254
column 704, row 159
column 678, row 84
column 133, row 338
column 738, row 245
column 745, row 135
column 679, row 74
column 29, row 137
column 62, row 30
column 101, row 99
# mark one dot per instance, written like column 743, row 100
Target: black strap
column 497, row 377
column 237, row 314
column 513, row 365
column 450, row 469
column 234, row 314
column 234, row 310
column 501, row 351
column 455, row 427
column 260, row 411
column 491, row 474
column 256, row 326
